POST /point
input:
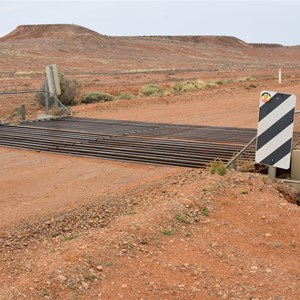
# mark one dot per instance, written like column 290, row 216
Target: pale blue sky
column 251, row 21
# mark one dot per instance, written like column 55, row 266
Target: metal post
column 272, row 173
column 23, row 112
column 46, row 97
column 279, row 76
column 234, row 159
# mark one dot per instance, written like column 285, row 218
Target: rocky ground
column 189, row 236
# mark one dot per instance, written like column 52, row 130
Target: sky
column 252, row 21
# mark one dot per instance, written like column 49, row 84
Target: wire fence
column 11, row 103
column 245, row 159
column 15, row 105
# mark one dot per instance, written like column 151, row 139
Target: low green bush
column 69, row 90
column 250, row 86
column 219, row 82
column 151, row 90
column 247, row 78
column 95, row 97
column 217, row 167
column 124, row 96
column 185, row 86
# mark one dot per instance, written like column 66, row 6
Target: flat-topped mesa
column 266, row 45
column 229, row 41
column 44, row 31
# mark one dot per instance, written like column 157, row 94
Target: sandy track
column 38, row 184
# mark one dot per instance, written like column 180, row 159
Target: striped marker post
column 275, row 129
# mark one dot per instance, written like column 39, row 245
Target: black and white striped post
column 275, row 130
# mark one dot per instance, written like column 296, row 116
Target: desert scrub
column 188, row 86
column 250, row 86
column 245, row 79
column 124, row 96
column 204, row 211
column 217, row 167
column 151, row 90
column 95, row 97
column 185, row 86
column 219, row 82
column 191, row 85
column 69, row 90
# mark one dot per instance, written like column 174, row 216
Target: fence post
column 23, row 112
column 279, row 76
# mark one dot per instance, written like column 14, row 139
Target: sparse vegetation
column 247, row 78
column 188, row 234
column 185, row 86
column 69, row 90
column 57, row 111
column 246, row 165
column 182, row 218
column 95, row 97
column 204, row 211
column 167, row 232
column 130, row 213
column 71, row 236
column 124, row 96
column 277, row 245
column 219, row 82
column 217, row 167
column 250, row 86
column 151, row 90
column 192, row 85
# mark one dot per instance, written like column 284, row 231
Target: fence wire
column 245, row 159
column 34, row 101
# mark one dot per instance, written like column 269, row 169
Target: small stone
column 249, row 289
column 124, row 286
column 253, row 269
column 187, row 202
column 85, row 285
column 99, row 268
column 268, row 235
column 268, row 270
column 143, row 241
column 61, row 277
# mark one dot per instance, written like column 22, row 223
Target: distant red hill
column 79, row 50
column 62, row 31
